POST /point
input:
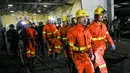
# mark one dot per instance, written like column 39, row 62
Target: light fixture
column 10, row 5
column 11, row 11
column 117, row 6
column 23, row 22
column 39, row 0
column 125, row 3
column 45, row 6
column 38, row 10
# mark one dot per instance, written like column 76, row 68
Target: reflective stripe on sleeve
column 102, row 66
column 99, row 38
column 107, row 32
column 71, row 44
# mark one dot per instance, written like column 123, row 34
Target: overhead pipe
column 33, row 3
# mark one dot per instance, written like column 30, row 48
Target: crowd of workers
column 83, row 45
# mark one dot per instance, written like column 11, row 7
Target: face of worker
column 64, row 23
column 33, row 25
column 27, row 26
column 100, row 17
column 82, row 20
column 49, row 21
column 11, row 28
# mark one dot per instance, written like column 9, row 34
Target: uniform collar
column 96, row 22
column 65, row 25
column 80, row 25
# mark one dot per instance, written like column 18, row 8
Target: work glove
column 113, row 47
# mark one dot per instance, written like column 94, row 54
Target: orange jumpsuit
column 31, row 35
column 50, row 33
column 79, row 49
column 99, row 37
column 63, row 34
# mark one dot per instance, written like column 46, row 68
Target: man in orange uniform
column 50, row 33
column 28, row 35
column 63, row 32
column 78, row 46
column 31, row 34
column 99, row 37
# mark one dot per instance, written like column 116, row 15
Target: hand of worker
column 113, row 47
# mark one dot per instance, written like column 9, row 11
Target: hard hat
column 64, row 19
column 11, row 25
column 81, row 12
column 50, row 18
column 99, row 10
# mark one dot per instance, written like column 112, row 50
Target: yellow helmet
column 81, row 12
column 48, row 17
column 64, row 19
column 100, row 10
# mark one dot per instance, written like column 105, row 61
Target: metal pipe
column 32, row 3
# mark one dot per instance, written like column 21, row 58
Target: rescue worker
column 100, row 36
column 63, row 33
column 28, row 37
column 33, row 26
column 50, row 33
column 12, row 38
column 78, row 46
column 37, row 48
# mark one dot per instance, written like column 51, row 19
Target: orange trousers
column 83, row 63
column 99, row 60
column 30, row 50
column 54, row 46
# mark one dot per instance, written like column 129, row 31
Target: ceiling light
column 38, row 10
column 12, row 11
column 10, row 5
column 117, row 6
column 125, row 3
column 45, row 6
column 39, row 0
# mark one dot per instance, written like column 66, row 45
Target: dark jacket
column 12, row 36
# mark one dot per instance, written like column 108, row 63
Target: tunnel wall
column 58, row 13
column 65, row 10
column 91, row 5
column 14, row 19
